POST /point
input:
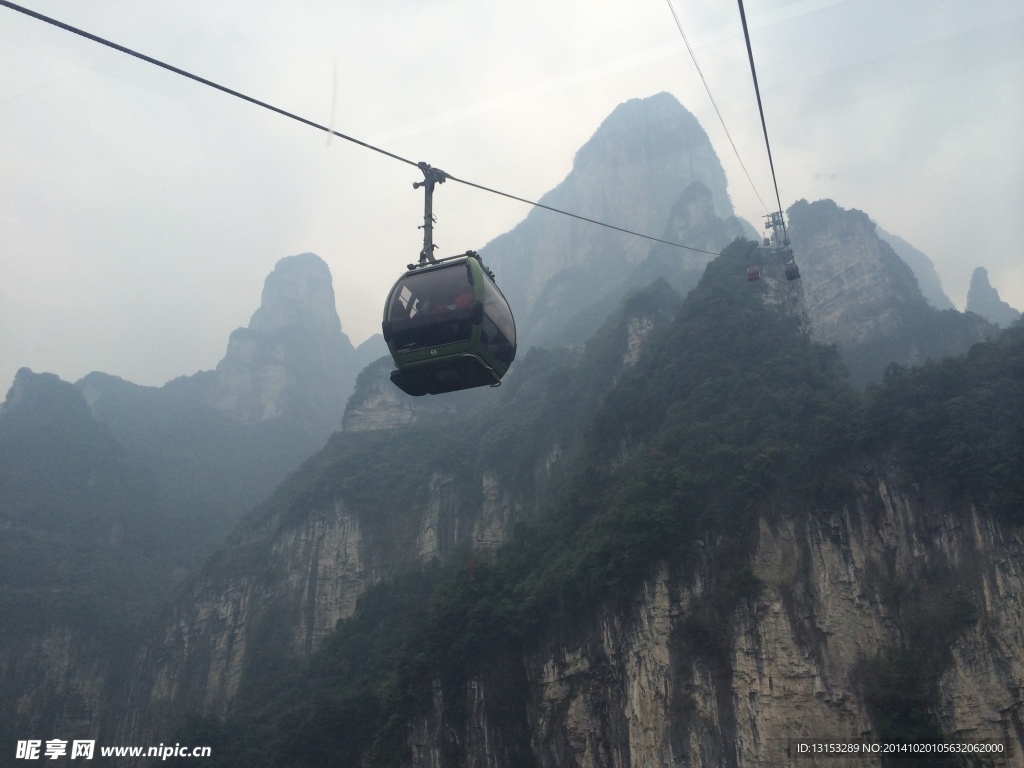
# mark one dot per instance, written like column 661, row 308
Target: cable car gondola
column 446, row 323
column 448, row 327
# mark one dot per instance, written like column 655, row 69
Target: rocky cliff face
column 862, row 297
column 62, row 681
column 294, row 569
column 279, row 591
column 313, row 573
column 855, row 286
column 645, row 687
column 292, row 361
column 376, row 403
column 983, row 299
column 640, row 687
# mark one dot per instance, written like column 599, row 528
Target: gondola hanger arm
column 431, row 176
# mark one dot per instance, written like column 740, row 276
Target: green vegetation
column 329, row 712
column 960, row 422
column 81, row 562
column 77, row 519
column 729, row 405
column 901, row 684
column 670, row 462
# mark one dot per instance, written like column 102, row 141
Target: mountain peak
column 983, row 299
column 656, row 130
column 44, row 393
column 294, row 345
column 299, row 292
column 630, row 173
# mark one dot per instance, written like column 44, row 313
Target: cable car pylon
column 778, row 241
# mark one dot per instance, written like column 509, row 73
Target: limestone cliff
column 292, row 360
column 278, row 590
column 854, row 284
column 644, row 688
column 312, row 573
column 860, row 295
column 707, row 443
column 303, row 558
column 376, row 403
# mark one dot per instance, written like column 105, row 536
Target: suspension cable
column 326, row 129
column 760, row 109
column 679, row 26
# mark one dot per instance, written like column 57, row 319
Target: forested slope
column 730, row 411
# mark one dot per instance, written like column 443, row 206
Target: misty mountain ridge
column 631, row 173
column 292, row 362
column 54, row 453
column 84, row 556
column 617, row 358
column 629, row 534
column 983, row 299
column 860, row 295
column 220, row 440
column 111, row 493
column 924, row 270
column 162, row 474
column 650, row 166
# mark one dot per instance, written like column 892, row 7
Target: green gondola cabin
column 448, row 327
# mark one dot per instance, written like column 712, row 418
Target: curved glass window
column 431, row 308
column 498, row 332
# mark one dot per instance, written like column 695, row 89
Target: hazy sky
column 140, row 212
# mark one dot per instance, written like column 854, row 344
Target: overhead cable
column 326, row 129
column 679, row 26
column 760, row 109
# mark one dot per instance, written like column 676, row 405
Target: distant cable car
column 778, row 245
column 448, row 327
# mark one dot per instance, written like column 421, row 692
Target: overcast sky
column 140, row 212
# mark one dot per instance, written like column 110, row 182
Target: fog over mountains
column 681, row 490
column 634, row 173
column 292, row 364
column 983, row 299
column 927, row 278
